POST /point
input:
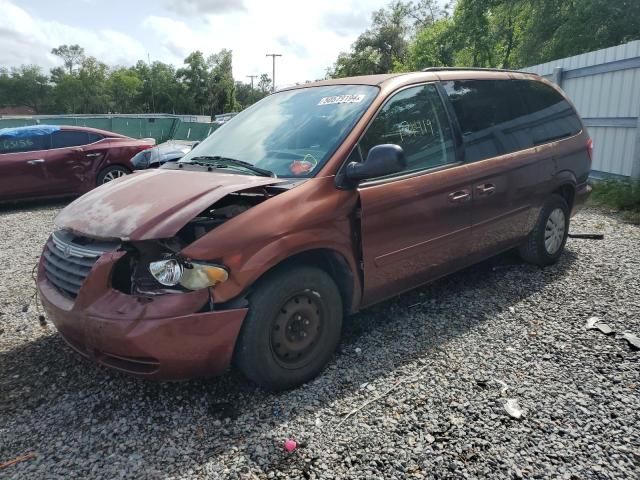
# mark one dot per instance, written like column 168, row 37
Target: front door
column 416, row 224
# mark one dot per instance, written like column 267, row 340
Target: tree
column 223, row 88
column 433, row 46
column 380, row 47
column 25, row 85
column 123, row 86
column 71, row 55
column 264, row 84
column 195, row 76
column 92, row 77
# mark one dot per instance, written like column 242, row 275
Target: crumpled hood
column 151, row 204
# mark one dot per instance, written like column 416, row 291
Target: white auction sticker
column 341, row 99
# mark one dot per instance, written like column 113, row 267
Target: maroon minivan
column 48, row 161
column 312, row 204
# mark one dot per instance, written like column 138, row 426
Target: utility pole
column 153, row 102
column 252, row 77
column 273, row 77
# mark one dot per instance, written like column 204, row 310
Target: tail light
column 590, row 149
column 140, row 148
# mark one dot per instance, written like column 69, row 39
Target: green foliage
column 381, row 47
column 621, row 195
column 618, row 194
column 409, row 36
column 264, row 84
column 86, row 85
column 432, row 47
column 71, row 55
column 26, row 85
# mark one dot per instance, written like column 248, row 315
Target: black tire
column 534, row 249
column 111, row 173
column 271, row 349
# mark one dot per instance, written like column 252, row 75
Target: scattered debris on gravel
column 488, row 373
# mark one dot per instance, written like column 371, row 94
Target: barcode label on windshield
column 341, row 99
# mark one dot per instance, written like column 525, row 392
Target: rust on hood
column 151, row 204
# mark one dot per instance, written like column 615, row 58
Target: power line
column 273, row 77
column 252, row 77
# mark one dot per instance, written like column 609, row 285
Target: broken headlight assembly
column 172, row 272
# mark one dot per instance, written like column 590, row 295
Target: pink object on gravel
column 290, row 445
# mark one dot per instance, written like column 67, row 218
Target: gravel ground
column 418, row 388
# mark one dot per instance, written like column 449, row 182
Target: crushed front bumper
column 159, row 337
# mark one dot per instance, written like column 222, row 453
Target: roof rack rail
column 475, row 69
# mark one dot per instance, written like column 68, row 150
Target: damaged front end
column 157, row 267
column 119, row 289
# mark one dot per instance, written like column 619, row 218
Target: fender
column 315, row 215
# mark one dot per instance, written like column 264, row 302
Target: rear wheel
column 111, row 173
column 546, row 242
column 292, row 328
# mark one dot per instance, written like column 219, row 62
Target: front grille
column 68, row 259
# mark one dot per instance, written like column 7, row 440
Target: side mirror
column 381, row 160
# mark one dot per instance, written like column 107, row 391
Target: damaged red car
column 49, row 161
column 312, row 204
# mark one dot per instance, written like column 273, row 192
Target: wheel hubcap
column 554, row 231
column 112, row 175
column 296, row 329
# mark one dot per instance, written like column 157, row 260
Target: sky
column 308, row 33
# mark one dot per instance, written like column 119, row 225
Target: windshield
column 291, row 133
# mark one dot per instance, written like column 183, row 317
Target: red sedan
column 48, row 161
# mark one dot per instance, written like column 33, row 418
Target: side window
column 93, row 137
column 69, row 138
column 27, row 143
column 492, row 115
column 551, row 116
column 416, row 120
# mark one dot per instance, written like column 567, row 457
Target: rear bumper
column 582, row 195
column 158, row 337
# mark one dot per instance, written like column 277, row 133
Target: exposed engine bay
column 131, row 274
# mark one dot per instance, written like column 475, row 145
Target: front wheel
column 546, row 242
column 292, row 328
column 111, row 173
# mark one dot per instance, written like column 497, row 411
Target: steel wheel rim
column 112, row 175
column 554, row 231
column 296, row 329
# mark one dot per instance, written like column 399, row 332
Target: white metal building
column 605, row 88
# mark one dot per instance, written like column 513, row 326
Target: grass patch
column 623, row 195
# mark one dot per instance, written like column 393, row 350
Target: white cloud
column 200, row 7
column 300, row 31
column 25, row 39
column 309, row 34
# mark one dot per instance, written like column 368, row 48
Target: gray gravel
column 444, row 361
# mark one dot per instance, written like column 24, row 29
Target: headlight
column 167, row 272
column 192, row 275
column 202, row 275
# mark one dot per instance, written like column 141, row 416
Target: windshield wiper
column 217, row 160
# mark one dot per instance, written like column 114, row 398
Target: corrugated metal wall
column 605, row 87
column 162, row 128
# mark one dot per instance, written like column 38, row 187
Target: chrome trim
column 63, row 242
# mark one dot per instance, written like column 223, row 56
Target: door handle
column 486, row 189
column 459, row 196
column 36, row 161
column 91, row 155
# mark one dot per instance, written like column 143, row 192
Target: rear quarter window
column 503, row 116
column 551, row 116
column 69, row 138
column 94, row 137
